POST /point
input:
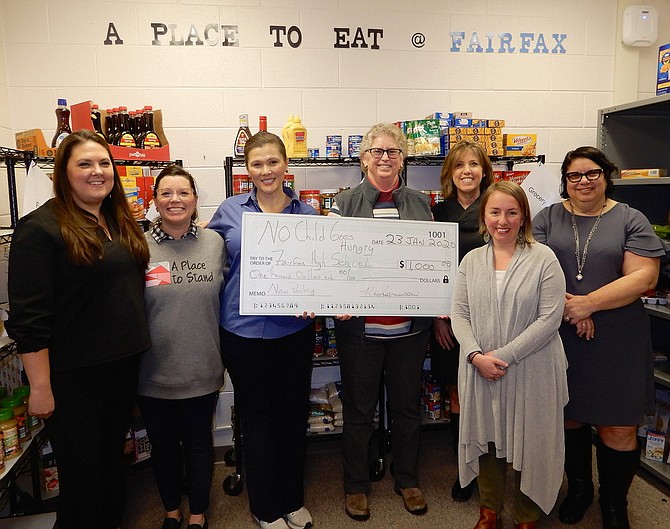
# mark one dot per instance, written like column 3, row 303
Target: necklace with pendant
column 581, row 261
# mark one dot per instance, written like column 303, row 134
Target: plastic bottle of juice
column 63, row 126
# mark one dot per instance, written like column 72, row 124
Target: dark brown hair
column 455, row 153
column 176, row 170
column 79, row 227
column 597, row 157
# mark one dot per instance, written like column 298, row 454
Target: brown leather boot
column 488, row 519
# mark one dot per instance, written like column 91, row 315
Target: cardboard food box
column 33, row 140
column 81, row 119
column 520, row 144
column 643, row 173
column 655, row 446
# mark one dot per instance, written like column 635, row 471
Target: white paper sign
column 341, row 265
column 37, row 191
column 542, row 188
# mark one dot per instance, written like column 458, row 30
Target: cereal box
column 520, row 144
column 655, row 446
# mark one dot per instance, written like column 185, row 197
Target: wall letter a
column 112, row 33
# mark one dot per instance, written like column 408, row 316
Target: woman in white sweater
column 507, row 308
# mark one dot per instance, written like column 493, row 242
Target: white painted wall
column 54, row 48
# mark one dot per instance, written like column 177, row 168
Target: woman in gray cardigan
column 507, row 308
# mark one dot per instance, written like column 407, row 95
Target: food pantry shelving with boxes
column 634, row 136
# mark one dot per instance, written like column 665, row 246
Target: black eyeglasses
column 591, row 175
column 378, row 153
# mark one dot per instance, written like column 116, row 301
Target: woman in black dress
column 466, row 173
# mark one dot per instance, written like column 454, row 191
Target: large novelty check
column 337, row 265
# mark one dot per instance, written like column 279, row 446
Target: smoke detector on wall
column 640, row 25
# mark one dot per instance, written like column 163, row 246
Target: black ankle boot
column 578, row 469
column 616, row 470
column 458, row 493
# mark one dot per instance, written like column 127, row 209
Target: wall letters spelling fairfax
column 358, row 37
column 506, row 43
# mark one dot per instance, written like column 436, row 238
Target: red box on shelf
column 81, row 119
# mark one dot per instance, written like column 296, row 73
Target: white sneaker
column 279, row 523
column 300, row 519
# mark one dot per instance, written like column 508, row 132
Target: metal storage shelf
column 634, row 136
column 13, row 158
column 412, row 161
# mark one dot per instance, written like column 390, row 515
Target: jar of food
column 15, row 402
column 11, row 446
column 311, row 197
column 327, row 196
column 24, row 393
column 289, row 181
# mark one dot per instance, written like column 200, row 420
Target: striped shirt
column 386, row 326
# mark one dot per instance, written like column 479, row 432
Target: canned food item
column 354, row 144
column 327, row 196
column 436, row 197
column 289, row 181
column 241, row 184
column 333, row 150
column 336, row 138
column 313, row 153
column 311, row 197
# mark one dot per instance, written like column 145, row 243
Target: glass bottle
column 109, row 125
column 243, row 134
column 96, row 119
column 125, row 137
column 149, row 139
column 262, row 123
